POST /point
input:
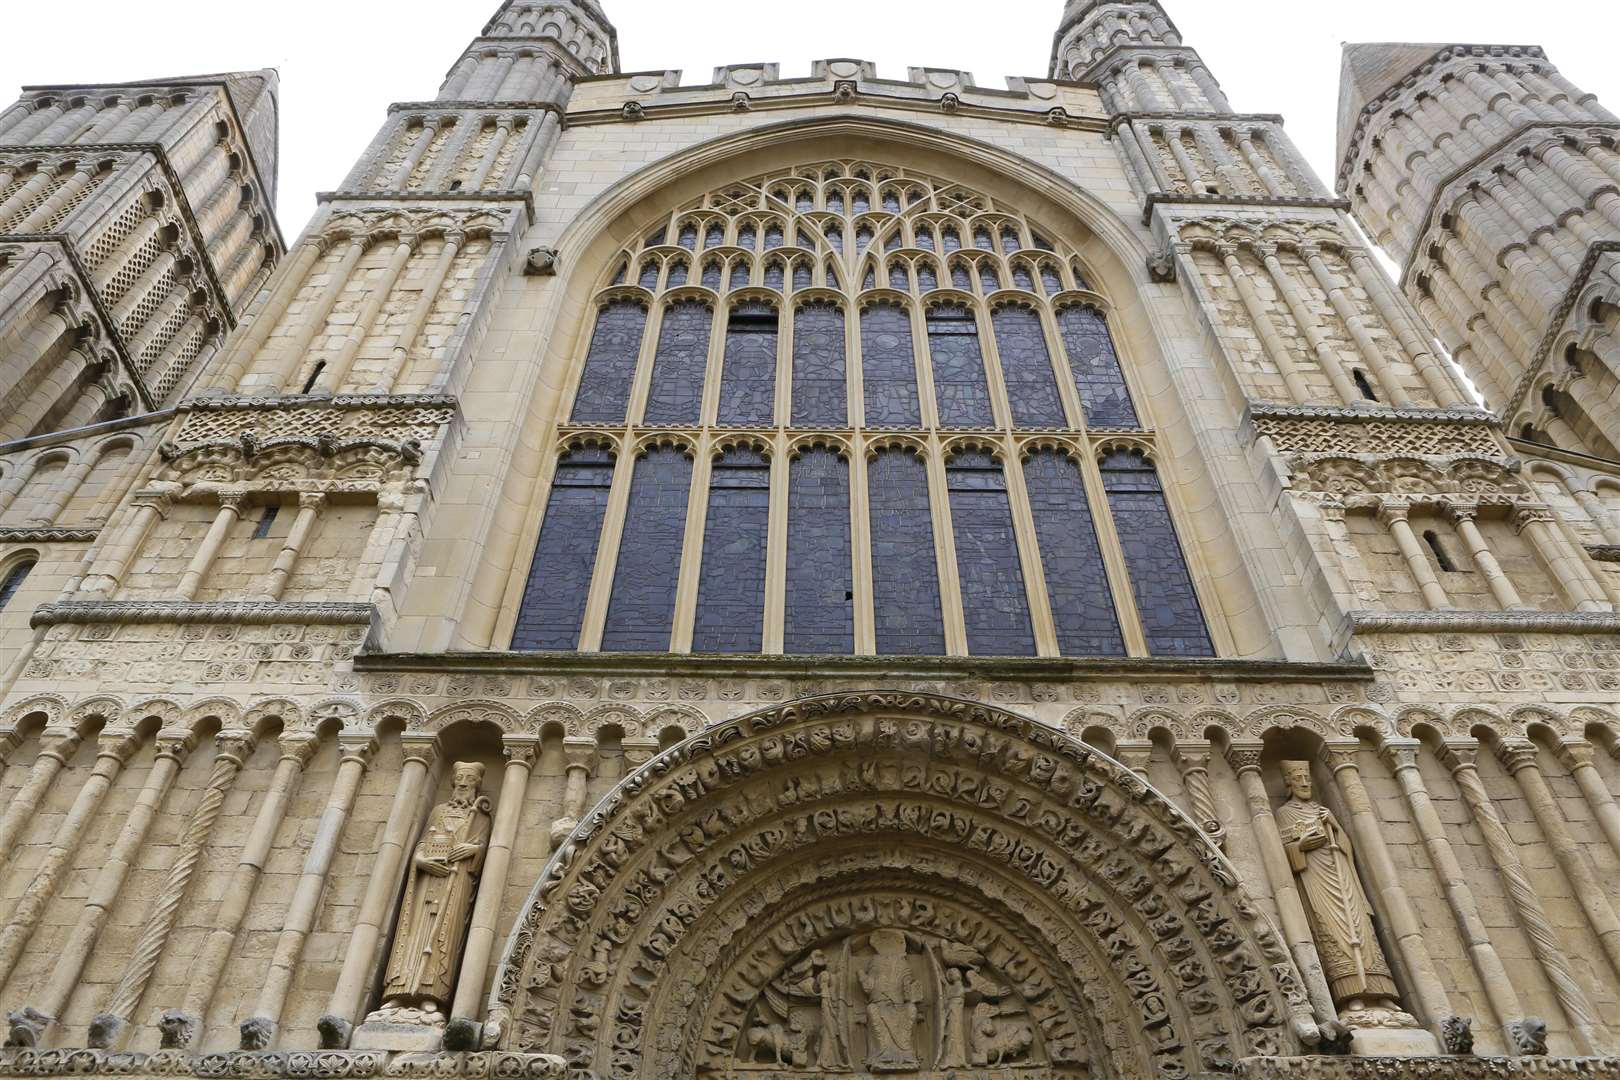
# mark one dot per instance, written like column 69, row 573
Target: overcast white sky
column 343, row 61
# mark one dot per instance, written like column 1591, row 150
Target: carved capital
column 420, row 747
column 176, row 743
column 520, row 749
column 1457, row 513
column 1399, row 754
column 1134, row 758
column 1575, row 753
column 1458, row 755
column 1191, row 761
column 637, row 752
column 1340, row 756
column 236, row 744
column 582, row 758
column 1244, row 757
column 231, row 497
column 1515, row 754
column 312, row 500
column 1526, row 516
column 1389, row 513
column 299, row 746
column 361, row 748
column 119, row 744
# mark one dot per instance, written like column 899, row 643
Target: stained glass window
column 14, row 580
column 958, row 365
column 994, row 602
column 905, row 580
column 1097, row 375
column 819, row 381
column 1071, row 558
column 888, row 367
column 688, row 236
column 731, row 584
column 610, row 364
column 1165, row 599
column 1026, row 366
column 553, row 609
column 641, row 610
column 676, row 396
column 820, row 612
column 748, row 374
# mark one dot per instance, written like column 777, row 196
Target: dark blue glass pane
column 870, row 281
column 677, row 274
column 961, row 276
column 820, row 616
column 649, row 274
column 1009, row 239
column 1080, row 281
column 619, row 274
column 893, row 242
column 610, row 365
column 863, row 237
column 773, row 236
column 1076, row 580
column 656, row 238
column 1032, row 389
column 994, row 602
column 1165, row 599
column 1051, row 280
column 981, row 240
column 801, row 274
column 731, row 586
column 888, row 368
column 835, row 238
column 835, row 201
column 819, row 386
column 748, row 374
column 1022, row 278
column 891, row 201
column 958, row 364
column 745, row 236
column 676, row 396
column 860, row 202
column 19, row 574
column 641, row 611
column 989, row 280
column 953, row 239
column 775, row 275
column 905, row 581
column 927, row 278
column 897, row 276
column 1097, row 373
column 739, row 274
column 924, row 237
column 688, row 236
column 715, row 236
column 560, row 577
column 803, row 200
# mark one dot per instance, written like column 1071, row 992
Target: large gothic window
column 859, row 410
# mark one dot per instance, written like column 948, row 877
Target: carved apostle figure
column 1341, row 920
column 438, row 898
column 891, row 1004
column 953, row 1045
column 832, row 1049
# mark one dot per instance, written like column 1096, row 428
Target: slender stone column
column 35, row 186
column 1518, row 756
column 1262, row 168
column 497, row 143
column 464, row 131
column 1207, row 85
column 419, row 313
column 263, row 323
column 56, row 745
column 360, row 959
column 312, row 320
column 336, row 373
column 172, row 748
column 62, row 491
column 92, row 399
column 1401, row 757
column 65, row 128
column 147, row 508
column 259, row 1031
column 43, row 116
column 231, row 748
column 1296, row 927
column 1576, row 756
column 1394, row 518
column 580, row 755
column 230, row 512
column 1462, row 517
column 1326, row 357
column 475, row 955
column 1414, row 341
column 1590, row 1034
column 70, row 189
column 114, row 749
column 1354, row 322
column 414, row 156
column 297, row 748
column 310, row 504
column 1427, row 986
column 1276, row 349
column 1194, row 766
column 1575, row 581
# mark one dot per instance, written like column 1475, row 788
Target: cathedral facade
column 829, row 576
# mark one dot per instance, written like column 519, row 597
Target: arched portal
column 896, row 883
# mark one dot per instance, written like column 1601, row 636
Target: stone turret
column 1492, row 180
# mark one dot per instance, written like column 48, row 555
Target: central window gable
column 851, row 408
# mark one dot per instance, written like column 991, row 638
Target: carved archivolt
column 802, row 883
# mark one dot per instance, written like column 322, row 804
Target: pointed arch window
column 748, row 374
column 641, row 609
column 995, row 602
column 676, row 396
column 905, row 576
column 1071, row 557
column 610, row 365
column 1026, row 367
column 820, row 388
column 553, row 609
column 958, row 367
column 889, row 367
column 1166, row 601
column 1098, row 377
column 731, row 584
column 820, row 609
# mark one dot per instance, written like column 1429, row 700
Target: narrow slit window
column 266, row 520
column 1441, row 559
column 1364, row 385
column 13, row 582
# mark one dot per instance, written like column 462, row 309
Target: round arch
column 891, row 881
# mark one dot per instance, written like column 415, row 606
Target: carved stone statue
column 953, row 1045
column 891, row 1004
column 832, row 1048
column 438, row 898
column 1341, row 920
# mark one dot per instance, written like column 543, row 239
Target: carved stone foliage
column 893, row 880
column 1453, row 1068
column 274, row 1065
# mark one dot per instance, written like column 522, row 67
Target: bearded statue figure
column 1320, row 854
column 438, row 898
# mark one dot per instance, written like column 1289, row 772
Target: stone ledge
column 275, row 1064
column 46, row 534
column 1348, row 413
column 1484, row 622
column 1436, row 1068
column 251, row 612
column 220, row 402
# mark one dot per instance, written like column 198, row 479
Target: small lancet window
column 688, row 236
column 677, row 273
column 1364, row 386
column 898, row 278
column 314, row 376
column 835, row 201
column 715, row 236
column 711, row 275
column 773, row 236
column 981, row 240
column 863, row 238
column 1009, row 239
column 739, row 274
column 925, row 237
column 952, row 239
column 860, row 202
column 745, row 236
column 891, row 201
column 1441, row 559
column 649, row 274
column 13, row 582
column 266, row 520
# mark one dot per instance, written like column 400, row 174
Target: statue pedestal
column 400, row 1029
column 1388, row 1033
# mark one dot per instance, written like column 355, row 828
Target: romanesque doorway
column 893, row 884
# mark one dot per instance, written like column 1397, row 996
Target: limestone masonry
column 814, row 577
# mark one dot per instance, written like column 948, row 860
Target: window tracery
column 810, row 336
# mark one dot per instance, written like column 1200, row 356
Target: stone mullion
column 995, row 376
column 297, row 749
column 1518, row 757
column 407, row 335
column 1029, row 556
column 1395, row 315
column 336, row 373
column 81, row 940
column 950, row 596
column 1404, row 925
column 1501, row 586
column 1276, row 349
column 1296, row 928
column 1326, row 358
column 261, row 324
column 1394, row 518
column 520, row 752
column 231, row 751
column 1401, row 757
column 382, row 889
column 299, row 919
column 114, row 749
column 1585, row 1023
column 607, row 550
column 690, row 568
column 860, row 513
